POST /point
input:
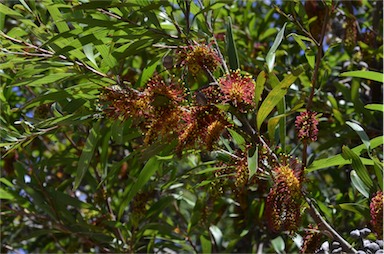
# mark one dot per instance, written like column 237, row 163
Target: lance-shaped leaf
column 149, row 169
column 87, row 154
column 231, row 47
column 358, row 166
column 338, row 160
column 372, row 75
column 275, row 96
column 270, row 58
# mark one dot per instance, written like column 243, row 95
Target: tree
column 191, row 126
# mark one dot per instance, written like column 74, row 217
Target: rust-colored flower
column 161, row 94
column 238, row 89
column 164, row 109
column 124, row 103
column 306, row 126
column 312, row 240
column 376, row 209
column 284, row 200
column 199, row 57
column 202, row 125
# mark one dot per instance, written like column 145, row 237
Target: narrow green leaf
column 4, row 194
column 88, row 51
column 252, row 160
column 54, row 77
column 375, row 107
column 205, row 244
column 8, row 11
column 359, row 184
column 360, row 131
column 309, row 54
column 358, row 165
column 87, row 154
column 57, row 17
column 231, row 47
column 2, row 22
column 352, row 207
column 259, row 88
column 338, row 160
column 148, row 170
column 274, row 97
column 372, row 75
column 271, row 55
column 149, row 70
column 239, row 140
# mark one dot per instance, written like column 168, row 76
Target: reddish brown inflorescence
column 199, row 57
column 238, row 89
column 312, row 240
column 306, row 126
column 284, row 199
column 123, row 103
column 202, row 125
column 376, row 209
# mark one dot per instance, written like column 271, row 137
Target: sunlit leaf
column 271, row 55
column 275, row 96
column 338, row 160
column 359, row 184
column 372, row 75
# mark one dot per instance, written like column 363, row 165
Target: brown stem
column 322, row 223
column 314, row 77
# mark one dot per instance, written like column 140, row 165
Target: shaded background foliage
column 74, row 180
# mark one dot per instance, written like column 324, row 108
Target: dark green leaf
column 87, row 154
column 231, row 47
column 358, row 165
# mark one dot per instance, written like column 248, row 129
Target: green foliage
column 77, row 176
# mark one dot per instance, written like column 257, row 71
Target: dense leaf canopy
column 191, row 126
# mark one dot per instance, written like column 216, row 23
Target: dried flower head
column 376, row 210
column 306, row 125
column 312, row 240
column 161, row 94
column 238, row 89
column 284, row 200
column 125, row 103
column 202, row 125
column 164, row 109
column 199, row 57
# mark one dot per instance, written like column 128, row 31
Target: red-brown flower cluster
column 312, row 240
column 123, row 103
column 284, row 199
column 238, row 89
column 157, row 109
column 199, row 57
column 202, row 125
column 164, row 108
column 306, row 126
column 376, row 209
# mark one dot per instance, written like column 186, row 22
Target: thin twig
column 50, row 54
column 314, row 78
column 315, row 214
